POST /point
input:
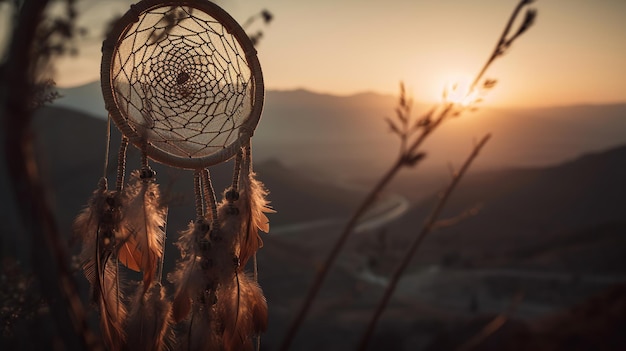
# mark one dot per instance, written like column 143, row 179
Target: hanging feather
column 238, row 302
column 243, row 309
column 194, row 271
column 254, row 206
column 90, row 226
column 112, row 309
column 142, row 223
column 218, row 303
column 203, row 331
column 224, row 240
column 149, row 321
column 195, row 300
column 97, row 225
column 189, row 277
column 205, row 279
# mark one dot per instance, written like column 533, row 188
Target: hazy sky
column 575, row 53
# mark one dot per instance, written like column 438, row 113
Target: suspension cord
column 121, row 164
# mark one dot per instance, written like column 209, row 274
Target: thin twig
column 426, row 229
column 501, row 42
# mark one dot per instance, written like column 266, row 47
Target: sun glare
column 458, row 92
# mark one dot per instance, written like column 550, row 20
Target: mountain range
column 346, row 137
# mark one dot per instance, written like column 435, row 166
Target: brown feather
column 254, row 206
column 188, row 276
column 217, row 302
column 143, row 222
column 96, row 225
column 88, row 224
column 240, row 301
column 149, row 321
column 128, row 255
column 243, row 310
column 201, row 331
column 112, row 310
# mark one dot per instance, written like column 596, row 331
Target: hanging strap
column 197, row 187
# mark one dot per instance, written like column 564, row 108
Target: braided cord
column 121, row 164
column 197, row 187
column 237, row 170
column 209, row 196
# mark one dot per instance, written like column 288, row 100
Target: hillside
column 568, row 217
column 528, row 213
column 563, row 218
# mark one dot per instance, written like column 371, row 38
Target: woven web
column 182, row 81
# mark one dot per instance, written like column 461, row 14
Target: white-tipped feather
column 142, row 223
column 149, row 320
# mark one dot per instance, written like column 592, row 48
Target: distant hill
column 72, row 146
column 569, row 216
column 346, row 136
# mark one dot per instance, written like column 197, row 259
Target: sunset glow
column 575, row 51
column 459, row 93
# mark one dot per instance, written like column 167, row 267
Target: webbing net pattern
column 182, row 82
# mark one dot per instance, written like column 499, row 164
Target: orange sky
column 576, row 52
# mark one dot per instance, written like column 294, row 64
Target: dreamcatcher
column 182, row 82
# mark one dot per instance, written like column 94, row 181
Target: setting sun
column 458, row 92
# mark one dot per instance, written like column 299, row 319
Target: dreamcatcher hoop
column 179, row 88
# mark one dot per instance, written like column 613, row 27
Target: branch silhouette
column 427, row 228
column 412, row 135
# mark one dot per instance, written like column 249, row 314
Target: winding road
column 387, row 210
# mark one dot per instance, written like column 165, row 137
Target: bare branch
column 426, row 229
column 503, row 43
